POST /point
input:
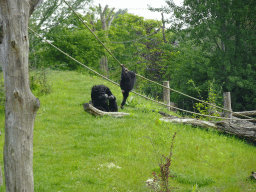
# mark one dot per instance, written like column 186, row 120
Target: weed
column 164, row 175
column 39, row 83
column 132, row 101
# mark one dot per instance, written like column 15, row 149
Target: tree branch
column 33, row 5
column 111, row 16
column 155, row 32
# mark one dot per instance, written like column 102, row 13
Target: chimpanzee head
column 99, row 94
column 103, row 99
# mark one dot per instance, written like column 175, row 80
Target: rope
column 147, row 78
column 73, row 58
column 93, row 33
column 161, row 103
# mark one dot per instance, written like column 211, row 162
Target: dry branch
column 94, row 111
column 191, row 121
column 237, row 114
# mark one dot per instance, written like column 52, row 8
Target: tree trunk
column 104, row 65
column 106, row 20
column 21, row 105
column 163, row 27
column 1, row 176
column 103, row 17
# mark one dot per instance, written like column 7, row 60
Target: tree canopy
column 225, row 32
column 208, row 41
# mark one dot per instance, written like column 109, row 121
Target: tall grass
column 75, row 151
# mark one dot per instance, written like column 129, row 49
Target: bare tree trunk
column 21, row 105
column 163, row 27
column 103, row 17
column 106, row 20
column 104, row 65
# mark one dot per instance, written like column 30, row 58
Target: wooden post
column 227, row 104
column 166, row 94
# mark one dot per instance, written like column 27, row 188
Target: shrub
column 39, row 83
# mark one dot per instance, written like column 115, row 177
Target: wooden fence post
column 227, row 104
column 166, row 94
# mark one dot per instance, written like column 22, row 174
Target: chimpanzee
column 127, row 82
column 103, row 99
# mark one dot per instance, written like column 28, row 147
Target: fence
column 228, row 114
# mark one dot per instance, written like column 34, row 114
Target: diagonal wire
column 161, row 103
column 92, row 33
column 147, row 78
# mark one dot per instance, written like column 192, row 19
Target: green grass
column 73, row 149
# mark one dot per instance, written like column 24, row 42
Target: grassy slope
column 72, row 149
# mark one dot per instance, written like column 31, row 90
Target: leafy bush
column 213, row 97
column 39, row 83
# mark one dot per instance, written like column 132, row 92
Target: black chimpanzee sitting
column 127, row 82
column 103, row 99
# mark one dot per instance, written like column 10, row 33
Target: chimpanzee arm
column 124, row 74
column 112, row 104
column 108, row 92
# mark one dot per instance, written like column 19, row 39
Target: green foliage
column 81, row 45
column 47, row 19
column 132, row 101
column 75, row 151
column 127, row 36
column 145, row 49
column 212, row 40
column 207, row 108
column 225, row 31
column 39, row 82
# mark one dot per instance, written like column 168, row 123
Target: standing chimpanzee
column 103, row 99
column 127, row 82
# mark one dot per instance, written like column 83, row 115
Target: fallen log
column 244, row 129
column 240, row 128
column 96, row 112
column 191, row 121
